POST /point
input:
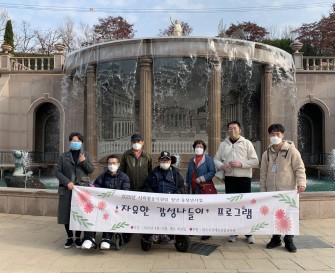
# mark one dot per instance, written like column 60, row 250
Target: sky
column 150, row 16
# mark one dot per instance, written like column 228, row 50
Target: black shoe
column 69, row 243
column 204, row 238
column 78, row 243
column 289, row 245
column 275, row 242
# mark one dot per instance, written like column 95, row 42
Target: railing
column 118, row 147
column 106, row 148
column 319, row 63
column 173, row 147
column 32, row 63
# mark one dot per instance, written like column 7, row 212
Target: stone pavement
column 34, row 244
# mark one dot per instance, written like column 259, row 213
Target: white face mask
column 275, row 140
column 113, row 168
column 164, row 166
column 137, row 146
column 199, row 151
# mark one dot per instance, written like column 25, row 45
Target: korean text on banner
column 98, row 209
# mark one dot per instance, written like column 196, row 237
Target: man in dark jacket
column 165, row 178
column 113, row 178
column 136, row 163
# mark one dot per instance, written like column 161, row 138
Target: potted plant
column 59, row 47
column 8, row 44
column 296, row 46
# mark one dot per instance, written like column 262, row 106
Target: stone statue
column 21, row 162
column 177, row 29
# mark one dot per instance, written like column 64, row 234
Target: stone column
column 5, row 64
column 214, row 106
column 266, row 119
column 146, row 79
column 59, row 60
column 91, row 117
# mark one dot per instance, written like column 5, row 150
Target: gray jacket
column 68, row 171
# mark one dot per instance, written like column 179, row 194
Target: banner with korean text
column 98, row 209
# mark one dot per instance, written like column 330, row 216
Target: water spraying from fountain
column 181, row 73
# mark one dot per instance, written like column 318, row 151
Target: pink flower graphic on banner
column 88, row 207
column 105, row 216
column 253, row 201
column 102, row 205
column 283, row 225
column 264, row 210
column 280, row 214
column 83, row 197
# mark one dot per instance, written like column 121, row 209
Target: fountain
column 175, row 90
column 22, row 175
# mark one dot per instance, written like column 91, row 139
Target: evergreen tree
column 9, row 35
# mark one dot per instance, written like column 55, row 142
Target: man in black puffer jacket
column 165, row 178
column 113, row 178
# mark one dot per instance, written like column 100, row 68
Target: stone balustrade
column 11, row 63
column 315, row 63
column 32, row 63
column 106, row 148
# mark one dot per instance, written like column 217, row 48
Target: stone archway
column 47, row 131
column 311, row 133
column 40, row 122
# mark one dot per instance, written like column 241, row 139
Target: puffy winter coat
column 289, row 170
column 119, row 180
column 165, row 181
column 242, row 150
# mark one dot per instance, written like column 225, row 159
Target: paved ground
column 34, row 244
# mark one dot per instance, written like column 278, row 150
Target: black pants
column 286, row 237
column 91, row 234
column 70, row 232
column 237, row 184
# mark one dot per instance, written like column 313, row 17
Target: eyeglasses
column 112, row 163
column 233, row 128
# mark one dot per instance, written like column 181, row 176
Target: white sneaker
column 250, row 240
column 87, row 244
column 232, row 238
column 105, row 245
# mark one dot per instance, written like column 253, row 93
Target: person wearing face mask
column 112, row 178
column 165, row 178
column 282, row 169
column 136, row 163
column 236, row 157
column 200, row 169
column 72, row 166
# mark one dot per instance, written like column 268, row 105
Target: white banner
column 99, row 209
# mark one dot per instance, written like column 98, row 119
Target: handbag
column 207, row 188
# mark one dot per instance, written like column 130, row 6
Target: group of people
column 281, row 169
